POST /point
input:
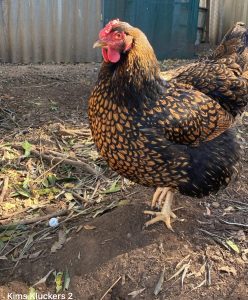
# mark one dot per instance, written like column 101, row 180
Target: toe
column 150, row 212
column 152, row 221
column 167, row 222
column 173, row 215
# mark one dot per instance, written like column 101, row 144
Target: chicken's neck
column 135, row 78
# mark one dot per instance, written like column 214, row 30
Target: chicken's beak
column 99, row 43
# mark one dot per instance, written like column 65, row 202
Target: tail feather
column 234, row 42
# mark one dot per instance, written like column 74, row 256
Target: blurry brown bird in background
column 223, row 74
column 155, row 132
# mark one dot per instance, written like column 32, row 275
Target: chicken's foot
column 166, row 213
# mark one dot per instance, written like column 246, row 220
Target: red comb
column 106, row 30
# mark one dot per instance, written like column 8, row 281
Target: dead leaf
column 80, row 227
column 113, row 189
column 89, row 227
column 59, row 244
column 35, row 254
column 229, row 270
column 136, row 293
column 233, row 246
column 43, row 279
column 58, row 281
column 229, row 209
column 68, row 196
column 208, row 212
column 123, row 202
column 31, row 294
column 67, row 280
column 159, row 285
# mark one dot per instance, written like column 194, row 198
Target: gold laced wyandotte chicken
column 154, row 132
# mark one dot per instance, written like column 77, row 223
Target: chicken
column 154, row 132
column 223, row 74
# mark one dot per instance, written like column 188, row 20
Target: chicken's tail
column 234, row 42
column 212, row 165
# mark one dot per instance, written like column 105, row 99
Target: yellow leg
column 166, row 213
column 159, row 195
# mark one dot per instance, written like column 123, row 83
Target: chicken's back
column 223, row 74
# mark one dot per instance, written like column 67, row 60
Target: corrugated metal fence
column 223, row 14
column 41, row 30
column 33, row 31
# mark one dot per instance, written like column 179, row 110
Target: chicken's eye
column 118, row 35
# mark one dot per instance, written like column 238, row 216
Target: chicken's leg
column 166, row 212
column 159, row 196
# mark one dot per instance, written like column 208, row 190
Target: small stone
column 215, row 204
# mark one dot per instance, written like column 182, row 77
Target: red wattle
column 113, row 55
column 110, row 55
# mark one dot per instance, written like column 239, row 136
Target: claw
column 166, row 213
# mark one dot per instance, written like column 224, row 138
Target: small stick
column 77, row 196
column 62, row 155
column 208, row 267
column 47, row 171
column 238, row 202
column 3, row 218
column 210, row 233
column 179, row 271
column 198, row 286
column 185, row 271
column 117, row 280
column 95, row 190
column 5, row 188
column 181, row 262
column 233, row 223
column 10, row 117
column 41, row 218
column 76, row 163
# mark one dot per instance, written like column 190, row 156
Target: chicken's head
column 114, row 40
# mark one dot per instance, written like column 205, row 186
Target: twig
column 198, row 286
column 181, row 262
column 5, row 188
column 5, row 217
column 62, row 155
column 25, row 240
column 208, row 267
column 218, row 239
column 238, row 202
column 77, row 196
column 47, row 171
column 185, row 271
column 95, row 190
column 10, row 117
column 233, row 223
column 179, row 271
column 210, row 233
column 41, row 218
column 76, row 163
column 109, row 289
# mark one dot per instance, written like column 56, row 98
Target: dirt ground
column 106, row 253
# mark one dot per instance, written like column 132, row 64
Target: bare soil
column 209, row 243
